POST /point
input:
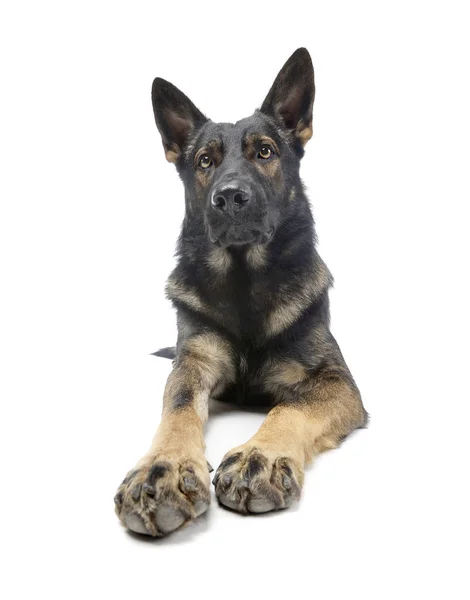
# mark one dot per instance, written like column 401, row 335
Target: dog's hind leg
column 169, row 486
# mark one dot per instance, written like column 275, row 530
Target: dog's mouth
column 235, row 236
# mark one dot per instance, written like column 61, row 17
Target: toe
column 228, row 502
column 200, row 507
column 260, row 505
column 168, row 519
column 135, row 523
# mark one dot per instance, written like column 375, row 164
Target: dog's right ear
column 176, row 117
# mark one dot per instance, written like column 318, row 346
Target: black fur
column 278, row 219
column 156, row 472
column 169, row 352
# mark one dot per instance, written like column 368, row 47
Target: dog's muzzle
column 234, row 216
column 236, row 236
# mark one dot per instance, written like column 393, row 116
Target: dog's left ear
column 176, row 117
column 290, row 99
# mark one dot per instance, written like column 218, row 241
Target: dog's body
column 251, row 295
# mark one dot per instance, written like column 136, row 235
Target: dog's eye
column 205, row 161
column 265, row 152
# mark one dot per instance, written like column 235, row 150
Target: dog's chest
column 244, row 306
column 248, row 388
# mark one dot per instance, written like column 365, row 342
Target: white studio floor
column 382, row 517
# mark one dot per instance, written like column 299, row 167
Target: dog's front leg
column 315, row 414
column 170, row 485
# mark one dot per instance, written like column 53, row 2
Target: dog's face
column 238, row 176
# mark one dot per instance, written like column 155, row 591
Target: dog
column 251, row 295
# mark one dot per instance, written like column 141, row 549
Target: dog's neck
column 292, row 246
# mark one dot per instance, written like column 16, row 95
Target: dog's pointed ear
column 290, row 99
column 176, row 117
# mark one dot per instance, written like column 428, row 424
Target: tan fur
column 179, row 434
column 270, row 142
column 270, row 168
column 187, row 381
column 288, row 432
column 256, row 256
column 171, row 154
column 267, row 472
column 207, row 360
column 337, row 405
column 219, row 260
column 203, row 179
column 175, row 290
column 254, row 142
column 283, row 373
column 212, row 357
column 290, row 306
column 213, row 149
column 331, row 410
column 304, row 132
column 178, row 447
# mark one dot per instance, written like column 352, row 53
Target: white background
column 90, row 212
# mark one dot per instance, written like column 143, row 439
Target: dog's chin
column 243, row 238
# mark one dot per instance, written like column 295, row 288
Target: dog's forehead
column 229, row 134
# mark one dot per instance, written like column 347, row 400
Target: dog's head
column 239, row 177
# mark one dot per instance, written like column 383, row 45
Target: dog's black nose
column 230, row 198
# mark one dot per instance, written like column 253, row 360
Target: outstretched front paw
column 162, row 494
column 251, row 479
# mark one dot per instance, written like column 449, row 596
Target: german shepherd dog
column 251, row 295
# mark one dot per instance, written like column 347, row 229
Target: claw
column 135, row 493
column 189, row 484
column 148, row 489
column 226, row 481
